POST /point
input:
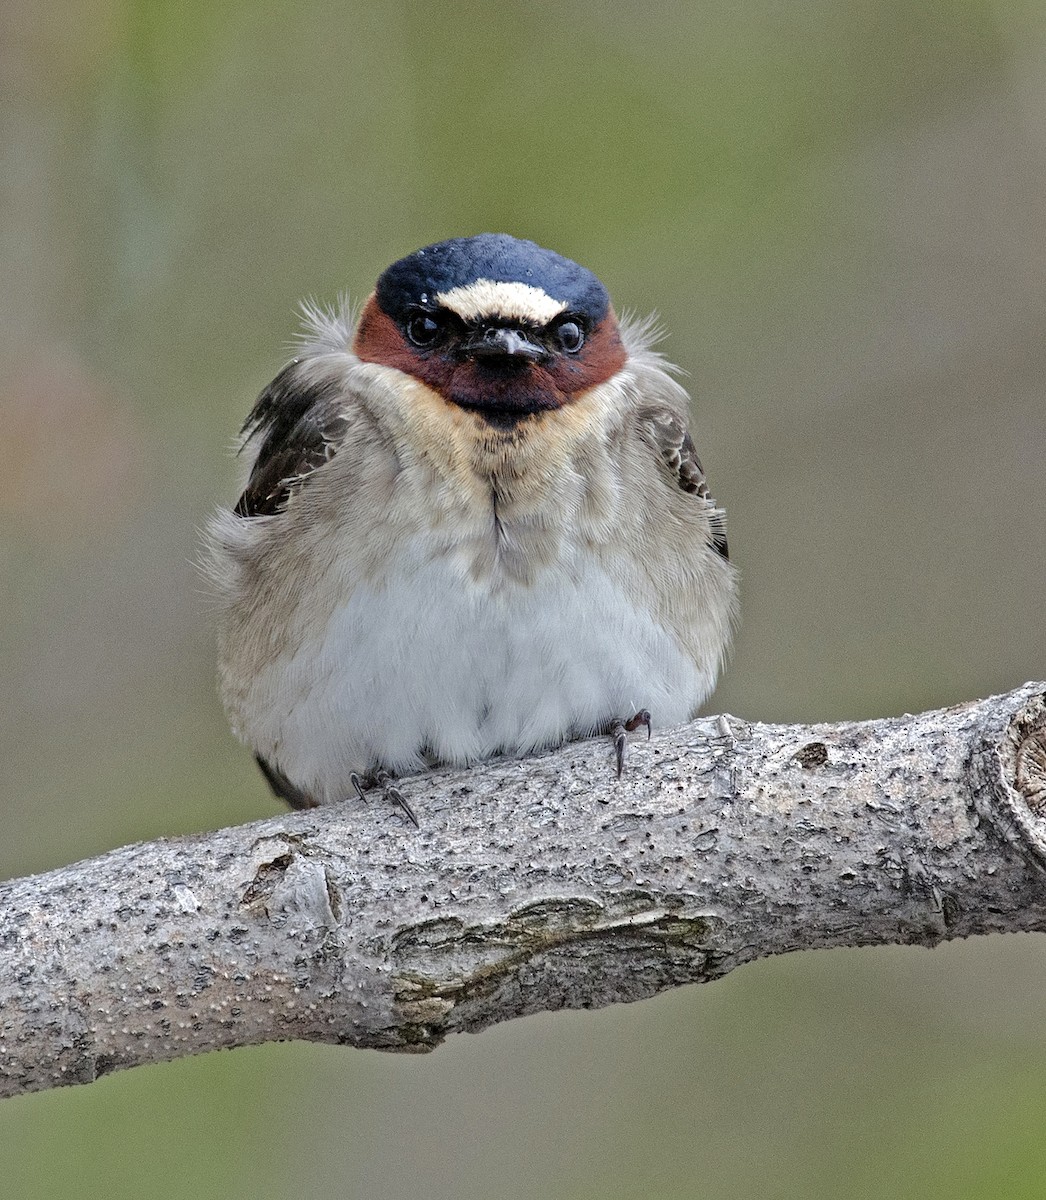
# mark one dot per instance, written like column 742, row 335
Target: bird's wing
column 282, row 787
column 679, row 455
column 296, row 424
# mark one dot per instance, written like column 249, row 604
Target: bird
column 474, row 524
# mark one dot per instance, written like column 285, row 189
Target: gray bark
column 532, row 885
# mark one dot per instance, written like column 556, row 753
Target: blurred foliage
column 837, row 210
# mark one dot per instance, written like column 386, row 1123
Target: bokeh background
column 838, row 210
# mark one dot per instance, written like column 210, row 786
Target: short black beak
column 503, row 342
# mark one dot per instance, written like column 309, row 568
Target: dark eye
column 423, row 330
column 571, row 336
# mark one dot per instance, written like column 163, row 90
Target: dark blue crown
column 414, row 281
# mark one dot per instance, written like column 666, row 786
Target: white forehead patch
column 511, row 301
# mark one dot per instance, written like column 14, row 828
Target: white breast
column 430, row 664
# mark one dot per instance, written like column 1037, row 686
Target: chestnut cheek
column 602, row 356
column 378, row 339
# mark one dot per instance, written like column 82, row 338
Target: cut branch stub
column 1009, row 775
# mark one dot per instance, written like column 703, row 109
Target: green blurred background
column 838, row 210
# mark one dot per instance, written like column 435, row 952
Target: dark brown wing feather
column 297, row 422
column 677, row 449
column 282, row 786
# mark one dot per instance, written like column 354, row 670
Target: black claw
column 392, row 794
column 398, row 798
column 620, row 729
column 618, row 733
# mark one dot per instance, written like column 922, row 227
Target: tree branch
column 532, row 885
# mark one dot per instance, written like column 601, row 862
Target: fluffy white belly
column 432, row 665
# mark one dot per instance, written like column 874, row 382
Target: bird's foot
column 392, row 794
column 619, row 730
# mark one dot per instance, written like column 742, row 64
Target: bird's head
column 494, row 324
